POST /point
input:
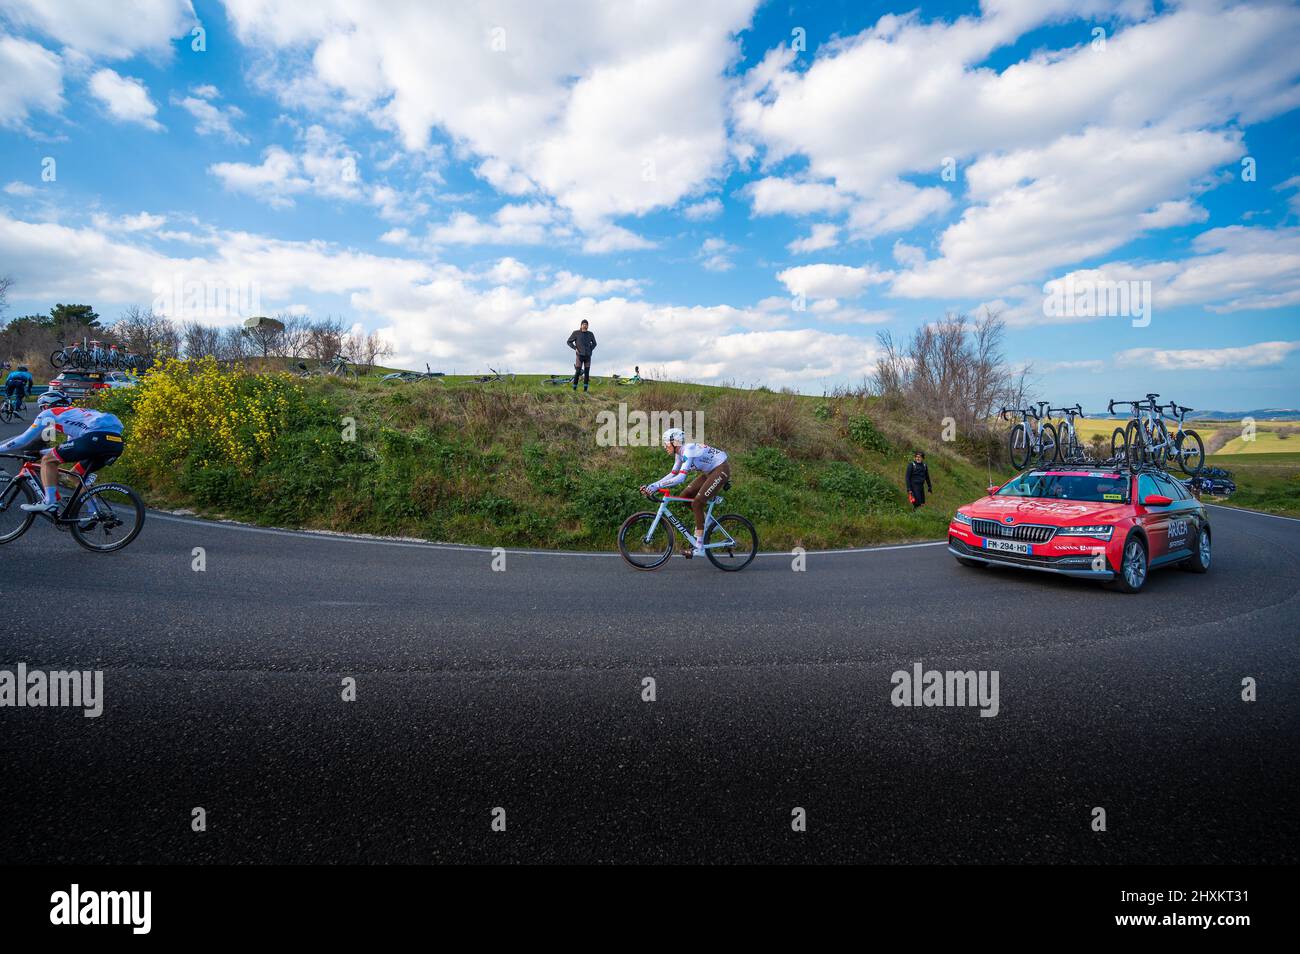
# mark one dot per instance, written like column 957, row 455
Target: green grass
column 1268, row 482
column 516, row 463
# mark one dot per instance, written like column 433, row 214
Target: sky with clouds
column 728, row 191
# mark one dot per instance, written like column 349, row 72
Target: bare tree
column 370, row 348
column 297, row 331
column 6, row 283
column 232, row 344
column 951, row 368
column 144, row 332
column 325, row 339
column 264, row 339
column 199, row 340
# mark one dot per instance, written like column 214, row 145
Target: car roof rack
column 1119, row 464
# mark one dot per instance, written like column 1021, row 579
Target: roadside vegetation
column 1265, row 481
column 517, row 463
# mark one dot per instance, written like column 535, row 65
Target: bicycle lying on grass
column 494, row 376
column 337, row 367
column 104, row 518
column 406, row 377
column 645, row 540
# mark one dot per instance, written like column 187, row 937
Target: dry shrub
column 652, row 397
column 1215, row 442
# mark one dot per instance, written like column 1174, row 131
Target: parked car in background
column 79, row 385
column 120, row 379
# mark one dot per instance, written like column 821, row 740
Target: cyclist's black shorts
column 93, row 451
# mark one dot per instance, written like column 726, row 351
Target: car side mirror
column 1156, row 500
column 994, row 488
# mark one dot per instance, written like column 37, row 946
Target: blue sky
column 729, row 191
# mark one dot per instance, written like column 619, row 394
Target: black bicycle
column 494, row 376
column 8, row 412
column 102, row 518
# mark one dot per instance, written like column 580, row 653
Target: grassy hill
column 519, row 463
column 1265, row 481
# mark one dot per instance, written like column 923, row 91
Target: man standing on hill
column 918, row 479
column 583, row 343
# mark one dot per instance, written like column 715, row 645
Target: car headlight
column 1099, row 532
column 960, row 517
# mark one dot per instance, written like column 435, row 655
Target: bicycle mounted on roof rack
column 1146, row 438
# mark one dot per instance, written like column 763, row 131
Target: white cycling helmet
column 53, row 398
column 674, row 435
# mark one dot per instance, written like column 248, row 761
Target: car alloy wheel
column 1205, row 549
column 1135, row 565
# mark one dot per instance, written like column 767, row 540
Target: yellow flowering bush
column 222, row 416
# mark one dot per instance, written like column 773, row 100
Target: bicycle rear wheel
column 1118, row 445
column 642, row 548
column 6, row 413
column 745, row 542
column 1135, row 443
column 13, row 520
column 1048, row 447
column 109, row 517
column 1018, row 446
column 1068, row 442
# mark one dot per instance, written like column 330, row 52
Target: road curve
column 522, row 689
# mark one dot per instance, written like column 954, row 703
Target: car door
column 1184, row 516
column 1154, row 520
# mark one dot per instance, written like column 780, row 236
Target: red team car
column 1108, row 525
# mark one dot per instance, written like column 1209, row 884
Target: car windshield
column 1091, row 488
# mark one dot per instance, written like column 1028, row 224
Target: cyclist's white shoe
column 50, row 508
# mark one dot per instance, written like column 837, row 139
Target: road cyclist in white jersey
column 709, row 462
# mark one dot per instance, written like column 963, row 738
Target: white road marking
column 423, row 545
column 1258, row 513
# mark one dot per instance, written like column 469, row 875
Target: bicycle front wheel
column 1191, row 453
column 14, row 521
column 108, row 517
column 743, row 545
column 642, row 547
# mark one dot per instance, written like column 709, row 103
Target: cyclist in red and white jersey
column 94, row 441
column 714, row 472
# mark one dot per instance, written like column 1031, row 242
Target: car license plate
column 1008, row 546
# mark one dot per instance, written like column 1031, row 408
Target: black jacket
column 583, row 342
column 916, row 473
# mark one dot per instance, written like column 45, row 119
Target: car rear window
column 1090, row 488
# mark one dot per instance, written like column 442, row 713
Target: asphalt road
column 522, row 689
